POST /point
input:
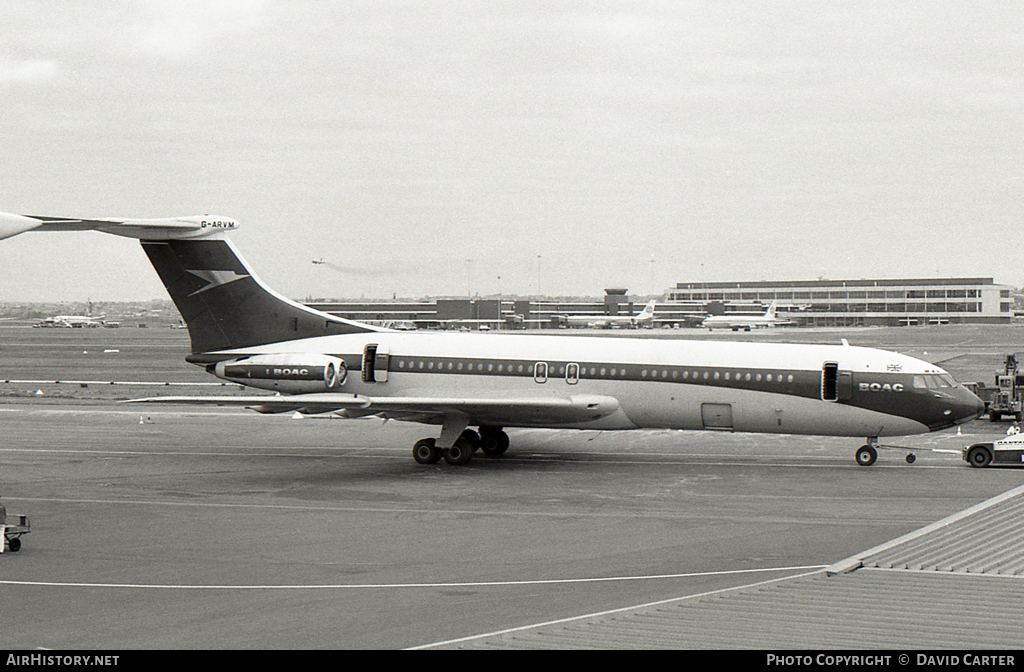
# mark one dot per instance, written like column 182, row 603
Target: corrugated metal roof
column 984, row 539
column 864, row 609
column 949, row 585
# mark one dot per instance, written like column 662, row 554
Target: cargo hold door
column 716, row 416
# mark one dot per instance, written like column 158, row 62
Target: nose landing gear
column 867, row 454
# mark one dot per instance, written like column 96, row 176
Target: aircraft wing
column 488, row 410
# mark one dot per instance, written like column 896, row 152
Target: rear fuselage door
column 375, row 363
column 380, row 364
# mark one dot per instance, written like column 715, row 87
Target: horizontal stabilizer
column 167, row 228
column 12, row 225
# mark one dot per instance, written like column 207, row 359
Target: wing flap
column 493, row 410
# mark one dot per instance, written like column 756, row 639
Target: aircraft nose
column 968, row 406
column 957, row 407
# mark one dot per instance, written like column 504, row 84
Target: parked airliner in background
column 245, row 333
column 644, row 318
column 69, row 321
column 745, row 322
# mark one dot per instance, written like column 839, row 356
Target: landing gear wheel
column 979, row 456
column 458, row 454
column 911, row 458
column 473, row 438
column 866, row 455
column 425, row 451
column 14, row 545
column 494, row 443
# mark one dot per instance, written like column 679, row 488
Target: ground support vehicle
column 1003, row 451
column 1007, row 397
column 16, row 526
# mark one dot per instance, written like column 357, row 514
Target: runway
column 172, row 528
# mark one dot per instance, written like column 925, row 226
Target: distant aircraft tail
column 221, row 300
column 770, row 313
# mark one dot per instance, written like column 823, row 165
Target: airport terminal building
column 855, row 303
column 807, row 303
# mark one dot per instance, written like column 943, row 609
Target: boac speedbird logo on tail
column 215, row 278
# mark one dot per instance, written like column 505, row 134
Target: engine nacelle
column 292, row 374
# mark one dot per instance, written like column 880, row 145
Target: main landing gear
column 491, row 440
column 868, row 453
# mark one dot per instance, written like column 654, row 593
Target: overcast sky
column 440, row 148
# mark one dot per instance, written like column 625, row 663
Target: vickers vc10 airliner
column 243, row 332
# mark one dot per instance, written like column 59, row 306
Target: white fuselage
column 675, row 384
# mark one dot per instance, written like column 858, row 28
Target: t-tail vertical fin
column 225, row 305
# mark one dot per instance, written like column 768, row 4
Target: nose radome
column 971, row 407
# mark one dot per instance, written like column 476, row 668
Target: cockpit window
column 934, row 382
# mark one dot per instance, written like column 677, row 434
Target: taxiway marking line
column 660, row 515
column 619, row 610
column 377, row 586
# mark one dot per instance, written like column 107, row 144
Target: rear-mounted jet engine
column 292, row 374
